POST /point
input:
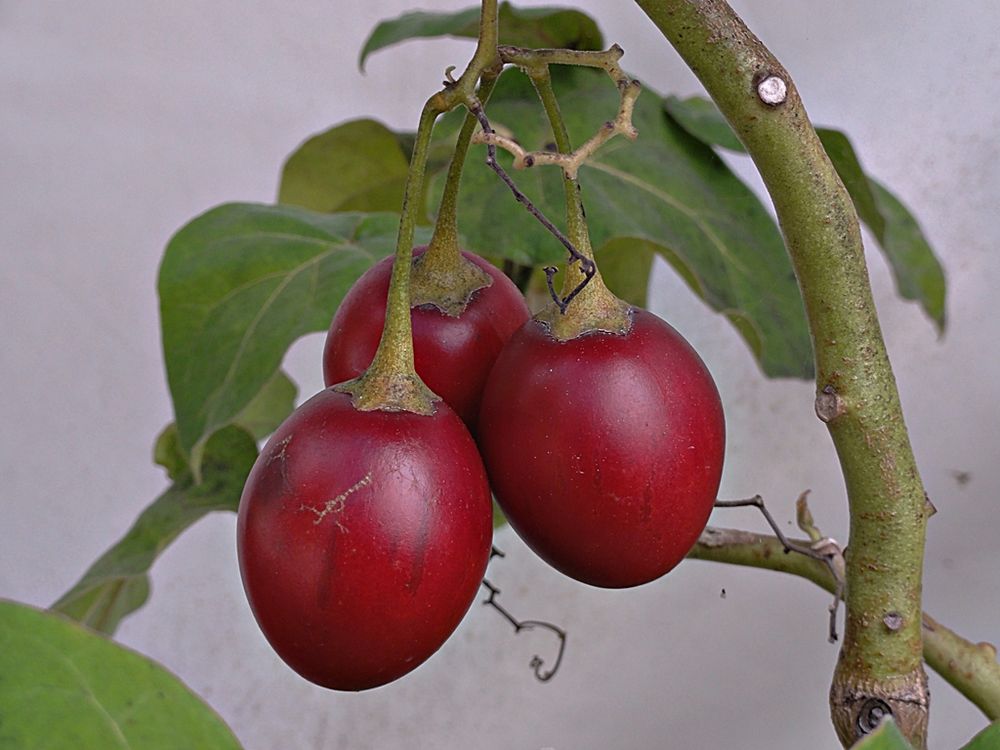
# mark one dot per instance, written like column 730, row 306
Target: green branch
column 446, row 225
column 856, row 391
column 971, row 668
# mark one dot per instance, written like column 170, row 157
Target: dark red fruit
column 363, row 537
column 452, row 355
column 605, row 451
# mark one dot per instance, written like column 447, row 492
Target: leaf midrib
column 334, row 245
column 84, row 686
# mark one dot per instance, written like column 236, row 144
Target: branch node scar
column 893, row 621
column 772, row 90
column 872, row 713
column 829, row 405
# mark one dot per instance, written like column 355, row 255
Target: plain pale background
column 120, row 121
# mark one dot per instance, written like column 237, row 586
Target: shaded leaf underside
column 914, row 265
column 520, row 27
column 237, row 286
column 666, row 189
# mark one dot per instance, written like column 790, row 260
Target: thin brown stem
column 586, row 264
column 824, row 550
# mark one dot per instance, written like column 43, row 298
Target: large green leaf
column 916, row 269
column 702, row 119
column 988, row 739
column 886, row 737
column 117, row 584
column 666, row 189
column 237, row 286
column 63, row 687
column 269, row 407
column 625, row 264
column 521, row 27
column 357, row 166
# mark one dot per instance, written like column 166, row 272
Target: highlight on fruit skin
column 453, row 355
column 362, row 539
column 605, row 452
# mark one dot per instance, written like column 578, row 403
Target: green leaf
column 845, row 160
column 167, row 452
column 499, row 519
column 916, row 269
column 63, row 687
column 519, row 27
column 270, row 406
column 701, row 118
column 237, row 286
column 886, row 737
column 117, row 584
column 666, row 189
column 918, row 273
column 357, row 166
column 625, row 265
column 988, row 739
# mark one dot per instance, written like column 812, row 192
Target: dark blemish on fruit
column 274, row 480
column 420, row 552
column 324, row 586
column 647, row 504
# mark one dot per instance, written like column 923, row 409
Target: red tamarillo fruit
column 604, row 451
column 453, row 354
column 363, row 537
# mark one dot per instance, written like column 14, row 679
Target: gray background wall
column 119, row 121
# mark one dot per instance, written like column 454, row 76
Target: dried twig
column 824, row 549
column 536, row 661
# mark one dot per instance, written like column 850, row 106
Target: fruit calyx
column 442, row 277
column 594, row 308
column 385, row 390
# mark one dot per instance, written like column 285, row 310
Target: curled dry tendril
column 537, row 663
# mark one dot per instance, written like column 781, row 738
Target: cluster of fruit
column 364, row 535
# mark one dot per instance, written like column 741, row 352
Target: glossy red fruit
column 605, row 451
column 453, row 356
column 363, row 538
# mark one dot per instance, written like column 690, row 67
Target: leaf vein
column 669, row 199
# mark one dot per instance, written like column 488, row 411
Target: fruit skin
column 362, row 539
column 452, row 355
column 605, row 451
